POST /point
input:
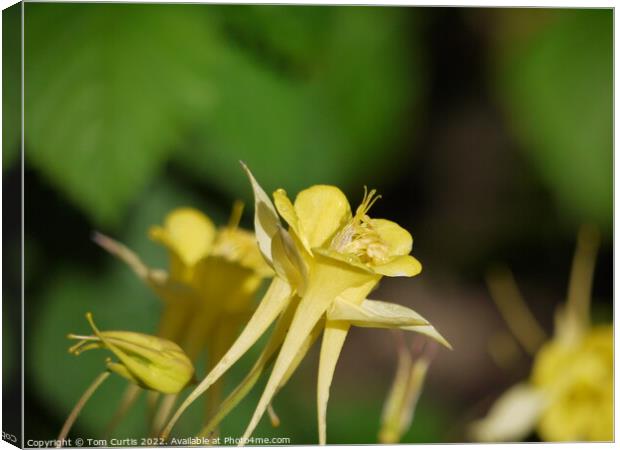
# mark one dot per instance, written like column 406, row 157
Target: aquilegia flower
column 209, row 289
column 150, row 362
column 212, row 278
column 569, row 395
column 327, row 263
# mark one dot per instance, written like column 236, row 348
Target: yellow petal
column 265, row 358
column 266, row 220
column 321, row 211
column 374, row 314
column 287, row 261
column 276, row 299
column 187, row 233
column 397, row 239
column 378, row 314
column 512, row 417
column 333, row 340
column 326, row 283
column 287, row 211
column 401, row 266
column 238, row 394
column 430, row 331
column 330, row 278
column 301, row 353
column 121, row 369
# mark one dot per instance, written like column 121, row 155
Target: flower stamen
column 358, row 237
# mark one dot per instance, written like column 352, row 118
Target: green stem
column 514, row 310
column 582, row 273
column 164, row 410
column 80, row 404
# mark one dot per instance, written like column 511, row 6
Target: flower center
column 358, row 237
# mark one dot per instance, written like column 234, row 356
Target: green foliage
column 11, row 84
column 111, row 91
column 558, row 88
column 322, row 108
column 114, row 90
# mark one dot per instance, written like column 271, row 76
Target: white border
column 456, row 3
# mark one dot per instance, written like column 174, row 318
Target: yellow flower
column 569, row 396
column 578, row 380
column 151, row 362
column 212, row 278
column 209, row 288
column 327, row 262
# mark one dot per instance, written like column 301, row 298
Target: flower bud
column 149, row 361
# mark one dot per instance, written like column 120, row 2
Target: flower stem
column 582, row 273
column 80, row 404
column 164, row 410
column 513, row 308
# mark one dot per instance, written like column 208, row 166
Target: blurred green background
column 487, row 131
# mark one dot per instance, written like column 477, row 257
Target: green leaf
column 112, row 90
column 11, row 84
column 558, row 88
column 324, row 109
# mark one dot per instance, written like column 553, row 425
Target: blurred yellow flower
column 212, row 278
column 208, row 290
column 569, row 395
column 578, row 381
column 327, row 262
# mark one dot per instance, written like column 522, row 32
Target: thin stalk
column 505, row 293
column 163, row 412
column 80, row 404
column 152, row 398
column 582, row 273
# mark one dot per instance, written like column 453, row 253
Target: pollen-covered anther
column 358, row 237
